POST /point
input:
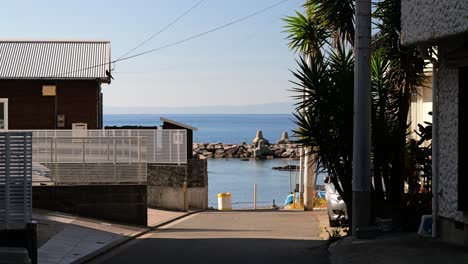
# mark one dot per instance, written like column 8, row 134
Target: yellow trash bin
column 224, row 201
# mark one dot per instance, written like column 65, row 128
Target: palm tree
column 336, row 16
column 326, row 124
column 324, row 90
column 306, row 35
column 325, row 36
column 404, row 73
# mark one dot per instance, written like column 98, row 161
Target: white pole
column 290, row 172
column 435, row 147
column 255, row 196
column 301, row 169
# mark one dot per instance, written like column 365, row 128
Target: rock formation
column 262, row 150
column 284, row 138
column 259, row 137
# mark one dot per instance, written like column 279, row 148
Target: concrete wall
column 120, row 203
column 453, row 224
column 166, row 181
column 453, row 232
column 429, row 20
column 448, row 137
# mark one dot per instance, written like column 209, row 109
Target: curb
column 124, row 240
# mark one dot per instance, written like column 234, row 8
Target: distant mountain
column 270, row 108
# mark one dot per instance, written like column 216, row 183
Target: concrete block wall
column 166, row 181
column 120, row 203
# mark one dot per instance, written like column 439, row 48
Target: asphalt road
column 229, row 237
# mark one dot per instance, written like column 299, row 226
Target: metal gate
column 15, row 179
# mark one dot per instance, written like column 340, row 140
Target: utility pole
column 362, row 118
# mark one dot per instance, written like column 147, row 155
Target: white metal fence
column 103, row 156
column 84, row 160
column 62, row 149
column 97, row 173
column 15, row 179
column 160, row 145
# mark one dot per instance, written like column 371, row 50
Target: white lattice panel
column 15, row 179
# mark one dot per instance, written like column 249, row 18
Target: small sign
column 178, row 139
column 48, row 90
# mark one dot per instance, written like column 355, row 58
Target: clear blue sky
column 247, row 63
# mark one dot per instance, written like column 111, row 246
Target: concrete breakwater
column 246, row 151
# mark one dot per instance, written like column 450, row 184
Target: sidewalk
column 65, row 238
column 396, row 248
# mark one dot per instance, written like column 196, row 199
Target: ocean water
column 234, row 175
column 217, row 128
column 238, row 177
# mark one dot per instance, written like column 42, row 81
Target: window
column 3, row 113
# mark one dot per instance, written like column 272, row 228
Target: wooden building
column 171, row 124
column 52, row 84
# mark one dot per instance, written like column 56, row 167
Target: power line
column 180, row 41
column 204, row 33
column 163, row 29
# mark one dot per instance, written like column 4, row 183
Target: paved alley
column 229, row 237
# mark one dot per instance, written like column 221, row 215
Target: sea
column 229, row 129
column 234, row 175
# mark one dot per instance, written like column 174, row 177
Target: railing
column 161, row 145
column 103, row 156
column 15, row 179
column 83, row 160
column 89, row 149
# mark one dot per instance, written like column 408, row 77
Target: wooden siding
column 28, row 109
column 167, row 125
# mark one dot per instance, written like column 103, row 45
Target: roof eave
column 98, row 79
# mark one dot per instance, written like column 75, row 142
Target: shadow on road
column 169, row 230
column 224, row 250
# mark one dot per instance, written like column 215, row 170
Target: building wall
column 448, row 138
column 427, row 20
column 166, row 181
column 167, row 125
column 421, row 105
column 28, row 109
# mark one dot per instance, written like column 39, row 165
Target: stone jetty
column 246, row 151
column 259, row 149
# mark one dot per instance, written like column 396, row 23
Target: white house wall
column 448, row 140
column 421, row 105
column 427, row 20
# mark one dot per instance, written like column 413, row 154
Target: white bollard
column 255, row 196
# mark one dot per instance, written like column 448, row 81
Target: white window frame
column 5, row 113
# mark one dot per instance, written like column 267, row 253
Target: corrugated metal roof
column 54, row 59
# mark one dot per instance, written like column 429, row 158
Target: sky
column 247, row 63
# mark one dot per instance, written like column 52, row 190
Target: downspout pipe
column 435, row 146
column 435, row 137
